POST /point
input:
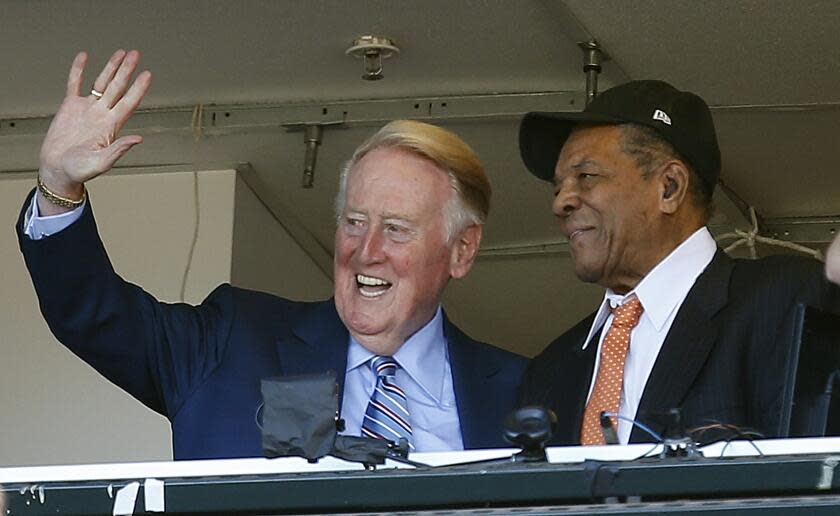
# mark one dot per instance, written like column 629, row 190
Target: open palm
column 82, row 141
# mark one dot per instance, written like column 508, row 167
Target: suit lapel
column 559, row 378
column 687, row 345
column 572, row 386
column 317, row 343
column 582, row 378
column 478, row 409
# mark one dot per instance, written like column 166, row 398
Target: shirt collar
column 663, row 289
column 423, row 356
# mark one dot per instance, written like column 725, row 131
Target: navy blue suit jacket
column 201, row 366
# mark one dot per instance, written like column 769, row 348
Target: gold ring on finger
column 96, row 93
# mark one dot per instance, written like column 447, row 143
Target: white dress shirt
column 424, row 374
column 661, row 293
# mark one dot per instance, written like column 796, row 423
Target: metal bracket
column 312, row 139
column 806, row 230
column 593, row 57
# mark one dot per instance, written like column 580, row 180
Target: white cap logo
column 662, row 116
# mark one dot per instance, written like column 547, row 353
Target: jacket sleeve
column 157, row 352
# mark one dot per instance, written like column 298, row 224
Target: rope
column 751, row 237
column 198, row 132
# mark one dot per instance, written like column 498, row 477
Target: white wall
column 54, row 409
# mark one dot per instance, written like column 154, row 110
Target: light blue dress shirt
column 37, row 227
column 426, row 377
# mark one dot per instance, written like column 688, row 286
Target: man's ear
column 464, row 251
column 673, row 182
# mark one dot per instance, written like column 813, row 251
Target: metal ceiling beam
column 221, row 119
column 816, row 231
column 804, row 230
column 551, row 246
column 802, row 107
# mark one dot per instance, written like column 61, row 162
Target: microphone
column 530, row 428
column 610, row 437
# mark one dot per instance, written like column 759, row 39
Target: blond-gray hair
column 471, row 202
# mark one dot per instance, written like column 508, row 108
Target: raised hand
column 82, row 141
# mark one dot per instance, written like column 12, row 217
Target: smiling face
column 607, row 209
column 392, row 260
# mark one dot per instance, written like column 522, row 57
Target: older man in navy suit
column 410, row 211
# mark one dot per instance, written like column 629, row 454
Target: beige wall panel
column 520, row 303
column 266, row 258
column 54, row 409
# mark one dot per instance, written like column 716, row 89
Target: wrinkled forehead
column 396, row 181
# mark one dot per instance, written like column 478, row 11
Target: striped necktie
column 386, row 416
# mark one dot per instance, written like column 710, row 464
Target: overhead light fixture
column 372, row 50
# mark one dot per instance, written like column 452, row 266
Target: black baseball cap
column 682, row 119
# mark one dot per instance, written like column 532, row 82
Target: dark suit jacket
column 722, row 361
column 201, row 366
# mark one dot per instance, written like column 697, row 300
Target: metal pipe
column 311, row 138
column 593, row 56
column 591, row 84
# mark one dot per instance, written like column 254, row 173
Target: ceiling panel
column 784, row 163
column 730, row 52
column 216, row 51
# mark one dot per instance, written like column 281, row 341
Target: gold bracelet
column 59, row 200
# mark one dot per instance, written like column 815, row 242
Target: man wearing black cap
column 681, row 325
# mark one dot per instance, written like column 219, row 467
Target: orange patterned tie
column 606, row 394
